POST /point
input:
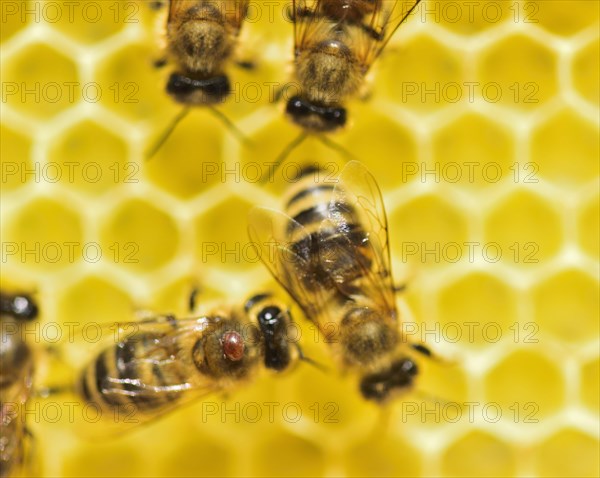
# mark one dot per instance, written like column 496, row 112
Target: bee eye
column 269, row 315
column 24, row 307
column 179, row 84
column 409, row 367
column 297, row 107
column 336, row 116
column 254, row 300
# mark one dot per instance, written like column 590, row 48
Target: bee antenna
column 182, row 114
column 308, row 360
column 337, row 147
column 193, row 299
column 427, row 397
column 46, row 392
column 283, row 155
column 229, row 125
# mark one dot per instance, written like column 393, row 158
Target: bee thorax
column 201, row 47
column 366, row 337
column 328, row 73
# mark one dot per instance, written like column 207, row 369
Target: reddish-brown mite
column 233, row 346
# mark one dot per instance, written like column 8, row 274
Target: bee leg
column 400, row 288
column 145, row 316
column 27, row 458
column 193, row 299
column 374, row 34
column 300, row 12
column 279, row 92
column 246, row 65
column 142, row 315
column 426, row 352
column 156, row 5
column 337, row 147
column 172, row 320
column 159, row 63
column 46, row 392
column 422, row 349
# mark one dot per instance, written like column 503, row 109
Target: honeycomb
column 481, row 126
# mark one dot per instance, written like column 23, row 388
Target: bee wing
column 380, row 26
column 106, row 333
column 357, row 214
column 179, row 7
column 309, row 24
column 135, row 379
column 235, row 10
column 286, row 249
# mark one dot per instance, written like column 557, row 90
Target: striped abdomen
column 339, row 257
column 336, row 254
column 16, row 372
column 130, row 373
column 11, row 438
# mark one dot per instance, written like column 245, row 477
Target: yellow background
column 543, row 58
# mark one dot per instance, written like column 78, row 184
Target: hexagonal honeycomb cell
column 491, row 456
column 536, row 388
column 267, row 462
column 386, row 136
column 566, row 135
column 15, row 19
column 385, row 458
column 94, row 300
column 471, row 18
column 585, row 72
column 474, row 151
column 131, row 86
column 569, row 452
column 554, row 17
column 131, row 238
column 88, row 21
column 184, row 170
column 220, row 247
column 15, row 159
column 566, row 306
column 518, row 72
column 589, row 228
column 533, row 67
column 92, row 159
column 429, row 231
column 590, row 385
column 47, row 235
column 422, row 75
column 476, row 310
column 526, row 229
column 52, row 81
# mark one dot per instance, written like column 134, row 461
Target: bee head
column 192, row 91
column 399, row 376
column 273, row 321
column 316, row 118
column 20, row 306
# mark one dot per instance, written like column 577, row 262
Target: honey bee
column 167, row 361
column 331, row 253
column 335, row 44
column 201, row 36
column 16, row 376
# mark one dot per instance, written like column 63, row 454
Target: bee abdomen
column 127, row 375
